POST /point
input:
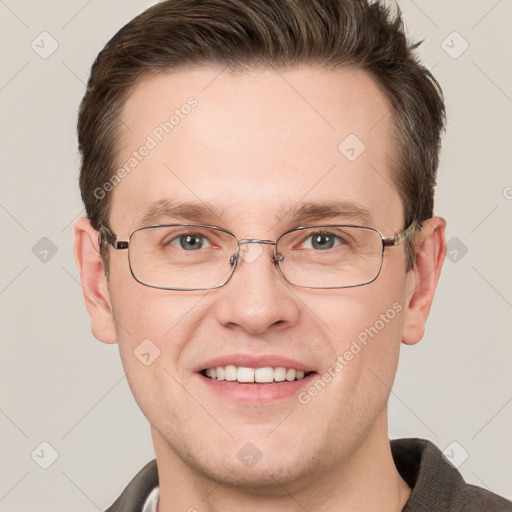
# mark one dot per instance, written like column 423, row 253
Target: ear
column 421, row 281
column 94, row 281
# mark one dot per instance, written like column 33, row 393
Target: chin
column 267, row 477
column 262, row 467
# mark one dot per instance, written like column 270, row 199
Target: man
column 258, row 179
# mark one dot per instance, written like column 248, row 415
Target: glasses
column 202, row 257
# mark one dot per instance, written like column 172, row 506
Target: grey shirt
column 436, row 485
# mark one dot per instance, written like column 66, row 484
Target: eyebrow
column 181, row 210
column 301, row 213
column 312, row 211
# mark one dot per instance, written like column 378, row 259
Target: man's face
column 256, row 145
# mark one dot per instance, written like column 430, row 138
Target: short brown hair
column 279, row 33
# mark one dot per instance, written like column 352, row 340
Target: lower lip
column 255, row 392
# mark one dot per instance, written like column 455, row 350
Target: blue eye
column 189, row 242
column 323, row 241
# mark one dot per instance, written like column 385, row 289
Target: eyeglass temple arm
column 400, row 237
column 106, row 237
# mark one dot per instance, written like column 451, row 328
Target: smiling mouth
column 246, row 375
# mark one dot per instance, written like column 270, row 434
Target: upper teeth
column 244, row 374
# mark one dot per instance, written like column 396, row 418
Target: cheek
column 352, row 390
column 363, row 328
column 152, row 325
column 356, row 316
column 143, row 312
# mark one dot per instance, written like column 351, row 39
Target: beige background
column 61, row 386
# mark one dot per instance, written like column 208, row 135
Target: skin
column 257, row 142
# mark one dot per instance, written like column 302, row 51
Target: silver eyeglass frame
column 106, row 237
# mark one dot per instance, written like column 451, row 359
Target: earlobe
column 94, row 282
column 421, row 281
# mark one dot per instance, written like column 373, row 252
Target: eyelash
column 203, row 237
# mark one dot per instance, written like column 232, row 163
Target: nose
column 257, row 297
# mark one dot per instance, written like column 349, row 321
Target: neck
column 366, row 480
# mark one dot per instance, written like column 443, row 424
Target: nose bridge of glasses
column 244, row 253
column 255, row 241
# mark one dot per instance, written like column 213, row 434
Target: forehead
column 255, row 145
